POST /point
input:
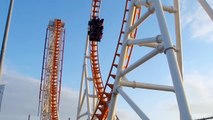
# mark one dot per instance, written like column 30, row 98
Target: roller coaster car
column 95, row 29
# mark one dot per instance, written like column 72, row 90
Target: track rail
column 51, row 76
column 55, row 68
column 95, row 66
column 102, row 108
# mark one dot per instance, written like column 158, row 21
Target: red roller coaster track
column 105, row 92
column 51, row 76
column 94, row 53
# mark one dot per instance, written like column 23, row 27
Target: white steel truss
column 46, row 91
column 51, row 75
column 87, row 95
column 161, row 43
column 207, row 8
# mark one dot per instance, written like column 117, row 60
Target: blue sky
column 26, row 40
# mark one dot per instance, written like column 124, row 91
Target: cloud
column 21, row 99
column 199, row 87
column 127, row 115
column 196, row 21
column 199, row 91
column 68, row 104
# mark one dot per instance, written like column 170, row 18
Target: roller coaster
column 100, row 98
column 101, row 103
column 51, row 75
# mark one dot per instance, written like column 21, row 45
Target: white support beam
column 207, row 8
column 160, row 44
column 150, row 11
column 178, row 36
column 141, row 42
column 87, row 57
column 140, row 113
column 172, row 61
column 141, row 19
column 94, row 100
column 113, row 101
column 169, row 9
column 134, row 84
column 84, row 83
column 87, row 94
column 82, row 115
column 81, row 94
column 90, row 79
column 93, row 96
column 145, row 3
column 81, row 102
column 151, row 45
column 142, row 60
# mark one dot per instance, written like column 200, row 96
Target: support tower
column 51, row 76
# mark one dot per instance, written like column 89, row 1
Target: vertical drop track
column 51, row 76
